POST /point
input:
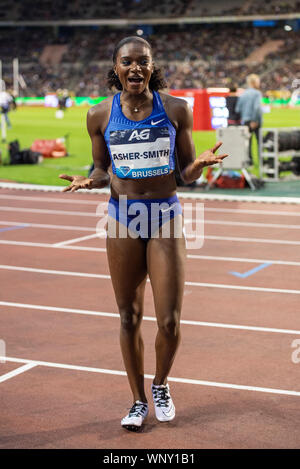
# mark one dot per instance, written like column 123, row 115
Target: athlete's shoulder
column 177, row 109
column 98, row 116
column 170, row 100
column 102, row 108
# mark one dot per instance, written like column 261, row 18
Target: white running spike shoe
column 163, row 404
column 137, row 414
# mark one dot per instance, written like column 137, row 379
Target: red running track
column 235, row 380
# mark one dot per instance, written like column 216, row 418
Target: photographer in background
column 250, row 109
column 234, row 117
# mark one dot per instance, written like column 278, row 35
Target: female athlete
column 136, row 137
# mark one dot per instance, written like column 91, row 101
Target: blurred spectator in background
column 250, row 109
column 62, row 96
column 5, row 101
column 234, row 117
column 13, row 103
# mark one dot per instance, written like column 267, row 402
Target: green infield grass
column 30, row 123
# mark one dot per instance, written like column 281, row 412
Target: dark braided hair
column 157, row 80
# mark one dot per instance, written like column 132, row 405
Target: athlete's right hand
column 77, row 182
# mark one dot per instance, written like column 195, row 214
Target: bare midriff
column 159, row 187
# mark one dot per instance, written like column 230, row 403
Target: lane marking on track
column 252, row 212
column 53, row 246
column 74, row 200
column 250, row 272
column 16, row 227
column 185, row 195
column 75, row 240
column 53, row 272
column 238, row 287
column 242, row 259
column 252, row 240
column 51, row 226
column 176, row 380
column 190, row 256
column 16, row 372
column 106, row 277
column 48, row 211
column 44, row 199
column 206, row 237
column 147, row 318
column 244, row 223
column 187, row 220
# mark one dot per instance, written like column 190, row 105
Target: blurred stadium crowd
column 191, row 56
column 87, row 9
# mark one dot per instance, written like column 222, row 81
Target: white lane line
column 234, row 386
column 75, row 201
column 53, row 272
column 176, row 380
column 44, row 188
column 94, row 214
column 51, row 246
column 51, row 226
column 238, row 198
column 62, row 310
column 252, row 212
column 184, row 195
column 48, row 211
column 147, row 318
column 237, row 287
column 16, row 372
column 244, row 223
column 75, row 240
column 242, row 259
column 190, row 256
column 252, row 240
column 193, row 284
column 206, row 237
column 65, row 366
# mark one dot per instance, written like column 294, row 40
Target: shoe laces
column 161, row 396
column 138, row 408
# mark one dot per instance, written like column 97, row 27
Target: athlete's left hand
column 77, row 182
column 208, row 157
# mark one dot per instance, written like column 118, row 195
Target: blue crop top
column 140, row 149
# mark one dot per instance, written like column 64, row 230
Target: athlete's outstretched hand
column 208, row 157
column 77, row 182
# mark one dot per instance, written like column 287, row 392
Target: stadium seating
column 192, row 56
column 87, row 9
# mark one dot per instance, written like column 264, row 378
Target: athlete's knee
column 130, row 318
column 170, row 326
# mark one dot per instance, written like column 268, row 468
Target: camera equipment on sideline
column 17, row 156
column 286, row 140
column 275, row 144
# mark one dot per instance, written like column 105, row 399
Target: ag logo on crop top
column 142, row 135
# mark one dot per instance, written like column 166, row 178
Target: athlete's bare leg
column 128, row 269
column 165, row 261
